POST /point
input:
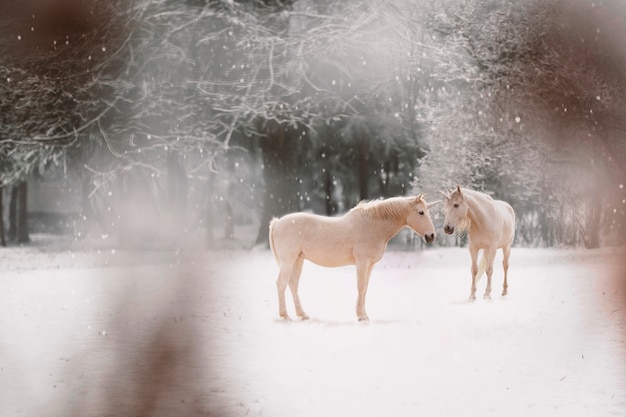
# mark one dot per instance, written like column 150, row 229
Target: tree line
column 203, row 113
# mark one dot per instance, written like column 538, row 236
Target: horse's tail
column 271, row 238
column 482, row 266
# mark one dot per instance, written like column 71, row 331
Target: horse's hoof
column 285, row 317
column 364, row 319
column 304, row 317
column 487, row 297
column 504, row 293
column 472, row 297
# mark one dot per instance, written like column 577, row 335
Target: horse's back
column 304, row 223
column 296, row 226
column 323, row 240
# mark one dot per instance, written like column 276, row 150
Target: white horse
column 490, row 225
column 358, row 238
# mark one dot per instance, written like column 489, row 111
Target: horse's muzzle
column 429, row 237
column 448, row 229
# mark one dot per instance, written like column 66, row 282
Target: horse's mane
column 463, row 226
column 475, row 193
column 391, row 208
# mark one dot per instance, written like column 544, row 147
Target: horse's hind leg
column 506, row 251
column 293, row 287
column 284, row 275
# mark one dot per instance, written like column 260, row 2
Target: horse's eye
column 456, row 205
column 421, row 212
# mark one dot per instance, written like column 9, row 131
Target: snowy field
column 152, row 333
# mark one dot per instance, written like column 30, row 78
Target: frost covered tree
column 56, row 73
column 204, row 109
column 110, row 93
column 534, row 99
column 302, row 78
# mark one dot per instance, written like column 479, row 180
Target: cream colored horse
column 490, row 225
column 358, row 238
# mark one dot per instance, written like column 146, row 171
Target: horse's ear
column 458, row 190
column 446, row 195
column 420, row 196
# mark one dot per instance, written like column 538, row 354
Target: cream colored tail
column 271, row 238
column 482, row 266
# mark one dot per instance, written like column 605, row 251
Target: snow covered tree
column 291, row 71
column 535, row 94
column 56, row 80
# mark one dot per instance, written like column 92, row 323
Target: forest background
column 171, row 121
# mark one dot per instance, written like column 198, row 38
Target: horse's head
column 419, row 218
column 455, row 210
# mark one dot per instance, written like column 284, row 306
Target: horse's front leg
column 490, row 255
column 363, row 272
column 474, row 255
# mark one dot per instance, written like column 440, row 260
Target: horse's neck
column 388, row 225
column 476, row 211
column 394, row 225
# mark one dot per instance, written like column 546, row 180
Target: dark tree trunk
column 22, row 213
column 3, row 241
column 12, row 235
column 19, row 194
column 280, row 163
column 546, row 228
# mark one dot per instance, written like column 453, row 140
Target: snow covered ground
column 129, row 333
